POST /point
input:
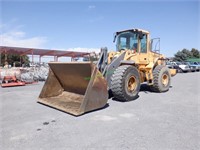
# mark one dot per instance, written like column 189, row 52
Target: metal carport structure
column 40, row 52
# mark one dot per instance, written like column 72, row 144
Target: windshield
column 127, row 40
column 191, row 63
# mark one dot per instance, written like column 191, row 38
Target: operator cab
column 131, row 40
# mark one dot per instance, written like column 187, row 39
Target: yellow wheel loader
column 77, row 88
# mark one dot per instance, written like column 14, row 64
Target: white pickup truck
column 181, row 67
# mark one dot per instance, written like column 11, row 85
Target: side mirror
column 115, row 35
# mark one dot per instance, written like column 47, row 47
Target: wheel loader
column 80, row 87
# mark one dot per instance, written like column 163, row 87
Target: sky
column 89, row 25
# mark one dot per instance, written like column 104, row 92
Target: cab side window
column 143, row 44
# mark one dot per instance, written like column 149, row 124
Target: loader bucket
column 74, row 88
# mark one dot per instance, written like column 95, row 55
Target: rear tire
column 161, row 79
column 125, row 83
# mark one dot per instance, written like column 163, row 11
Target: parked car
column 172, row 65
column 198, row 65
column 181, row 67
column 192, row 66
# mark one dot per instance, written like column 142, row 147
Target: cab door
column 143, row 55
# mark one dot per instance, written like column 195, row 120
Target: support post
column 40, row 59
column 54, row 58
column 20, row 60
column 32, row 57
column 0, row 59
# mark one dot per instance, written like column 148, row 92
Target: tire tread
column 117, row 82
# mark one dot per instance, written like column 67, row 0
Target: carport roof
column 40, row 52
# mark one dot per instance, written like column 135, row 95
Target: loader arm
column 103, row 61
column 108, row 69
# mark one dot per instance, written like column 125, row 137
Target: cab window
column 127, row 40
column 143, row 44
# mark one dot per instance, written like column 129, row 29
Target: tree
column 195, row 53
column 14, row 58
column 185, row 54
column 180, row 56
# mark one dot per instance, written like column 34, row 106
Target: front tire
column 161, row 79
column 125, row 83
column 180, row 70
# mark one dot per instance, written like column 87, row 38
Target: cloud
column 19, row 39
column 12, row 34
column 2, row 26
column 91, row 7
column 97, row 19
column 80, row 49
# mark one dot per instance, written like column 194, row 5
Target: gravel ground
column 166, row 121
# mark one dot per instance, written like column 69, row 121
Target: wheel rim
column 131, row 86
column 165, row 79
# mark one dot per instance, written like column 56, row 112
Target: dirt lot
column 167, row 121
